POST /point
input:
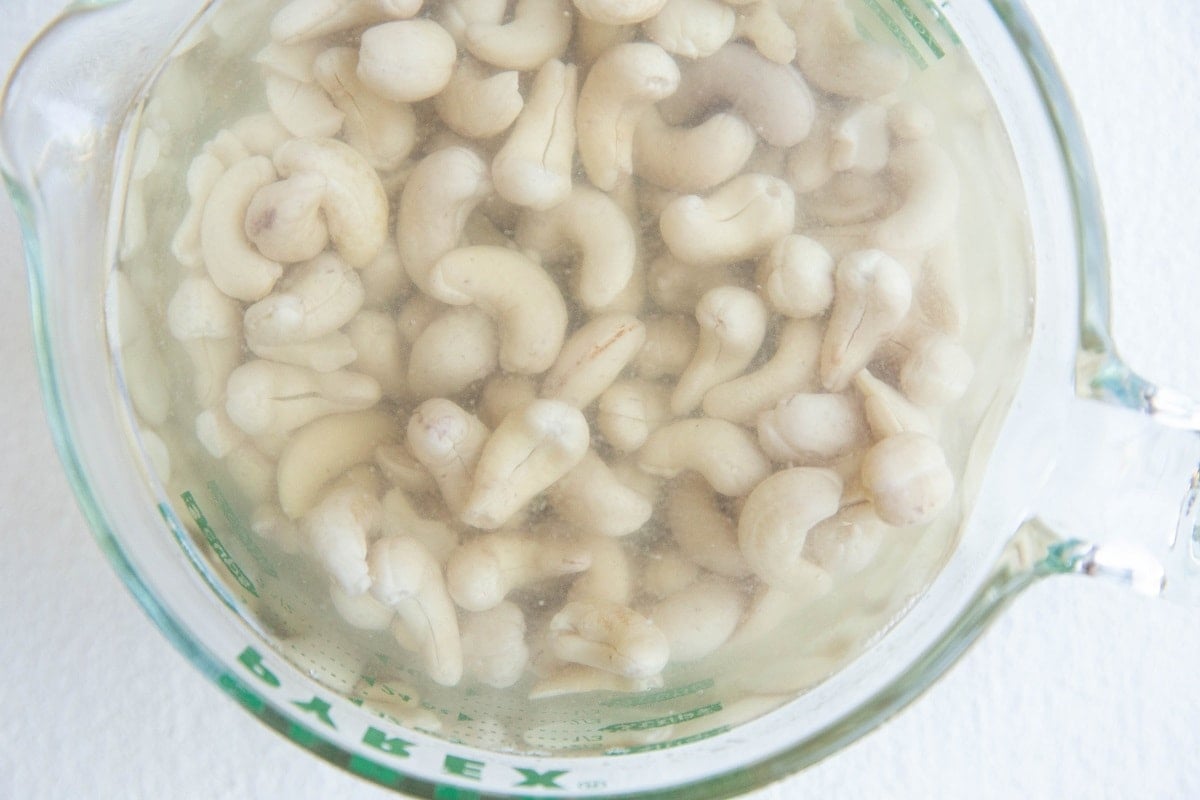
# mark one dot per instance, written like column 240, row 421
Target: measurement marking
column 942, row 22
column 239, row 529
column 897, row 32
column 919, row 27
column 646, row 698
column 210, row 536
column 662, row 722
column 646, row 748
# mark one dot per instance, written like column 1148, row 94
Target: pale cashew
column 837, row 59
column 284, row 219
column 458, row 15
column 619, row 12
column 265, row 398
column 217, row 433
column 383, row 131
column 699, row 618
column 534, row 166
column 405, row 577
column 440, row 194
column 797, row 277
column 406, row 61
column 780, row 108
column 691, row 28
column 593, row 499
column 401, row 519
column 324, row 354
column 294, row 61
column 691, row 159
column 620, row 86
column 448, row 441
column 515, row 292
column 808, row 164
column 593, row 358
column 591, row 223
column 455, row 350
column 324, row 449
column 482, row 572
column 725, row 454
column 742, row 219
column 302, row 108
column 503, row 394
column 538, row 32
column 907, row 479
column 362, row 611
column 339, row 527
column 937, row 372
column 776, row 519
column 872, row 296
column 402, row 470
column 203, row 174
column 301, row 20
column 355, row 205
column 478, row 104
column 849, row 199
column 940, row 294
column 260, row 133
column 666, row 571
column 670, row 344
column 610, row 637
column 381, row 352
column 812, row 428
column 629, row 410
column 703, row 531
column 233, row 263
column 733, row 323
column 927, row 182
column 313, row 300
column 761, row 24
column 208, row 326
column 611, row 576
column 494, row 649
column 792, row 368
column 846, row 542
column 580, row 679
column 529, row 451
column 910, row 120
column 860, row 139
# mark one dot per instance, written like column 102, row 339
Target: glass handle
column 1124, row 496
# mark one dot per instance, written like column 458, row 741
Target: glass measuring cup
column 246, row 672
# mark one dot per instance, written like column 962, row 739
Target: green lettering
column 544, row 779
column 381, row 741
column 376, row 772
column 319, row 708
column 252, row 660
column 464, row 767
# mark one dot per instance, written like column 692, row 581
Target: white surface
column 1080, row 690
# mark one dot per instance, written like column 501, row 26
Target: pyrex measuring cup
column 1045, row 432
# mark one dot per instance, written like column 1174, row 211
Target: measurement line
column 897, row 33
column 920, row 28
column 942, row 22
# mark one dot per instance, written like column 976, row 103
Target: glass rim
column 1000, row 587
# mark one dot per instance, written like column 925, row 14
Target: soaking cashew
column 593, row 499
column 233, row 263
column 482, row 572
column 456, row 350
column 780, row 108
column 324, row 354
column 405, row 577
column 797, row 277
column 670, row 344
column 872, row 295
column 860, row 139
column 217, row 433
column 937, row 372
column 927, row 182
column 691, row 28
column 691, row 159
column 355, row 204
column 619, row 12
column 302, row 108
column 477, row 103
column 812, row 428
column 593, row 358
column 528, row 452
column 887, row 411
column 837, row 59
column 907, row 479
column 846, row 542
column 742, row 219
column 284, row 219
column 761, row 24
column 447, row 441
column 208, row 326
column 381, row 353
column 610, row 578
column 725, row 454
column 699, row 618
column 312, row 301
column 733, row 323
column 458, row 15
column 620, row 86
column 383, row 131
column 202, row 176
column 629, row 410
column 591, row 223
column 610, row 637
column 406, row 61
column 265, row 398
column 792, row 368
column 339, row 527
column 538, row 32
column 324, row 449
column 401, row 519
column 260, row 133
column 493, row 643
column 534, row 166
column 775, row 522
column 703, row 531
column 516, row 293
column 362, row 611
column 301, row 20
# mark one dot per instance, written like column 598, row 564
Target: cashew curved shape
column 494, row 649
column 705, row 535
column 762, row 25
column 927, row 182
column 907, row 479
column 385, row 132
column 619, row 12
column 234, row 265
column 629, row 410
column 538, row 32
column 302, row 108
column 313, row 300
column 202, row 176
column 937, row 372
column 742, row 219
column 592, row 498
column 272, row 399
column 301, row 20
column 846, row 542
column 792, row 369
column 534, row 166
column 610, row 637
column 699, row 618
column 338, row 528
column 733, row 324
column 457, row 349
column 593, row 358
column 458, row 15
column 691, row 28
column 478, row 103
column 516, row 293
column 781, row 107
column 528, row 452
column 620, row 86
column 835, row 57
column 206, row 323
column 691, row 159
column 406, row 61
column 725, row 454
column 284, row 219
column 811, row 428
column 448, row 441
column 482, row 572
column 872, row 296
column 776, row 519
column 324, row 449
column 797, row 277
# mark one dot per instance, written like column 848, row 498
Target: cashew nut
column 401, row 519
column 203, row 174
column 703, row 531
column 812, row 428
column 872, row 296
column 477, row 103
column 629, row 410
column 324, row 449
column 338, row 528
column 529, row 451
column 208, row 326
column 691, row 159
column 301, row 107
column 620, row 86
column 776, row 519
column 454, row 351
column 619, row 12
column 383, row 131
column 402, row 470
column 761, row 24
column 313, row 300
column 742, row 219
column 363, row 611
column 355, row 205
column 482, row 572
column 937, row 372
column 610, row 637
column 860, row 139
column 516, row 293
column 797, row 277
column 699, row 618
column 927, row 182
column 733, row 323
column 580, row 679
column 265, row 398
column 260, row 133
column 503, row 394
column 670, row 344
column 448, row 441
column 375, row 339
column 593, row 499
column 837, row 59
column 301, row 20
column 284, row 219
column 538, row 32
column 494, row 649
column 610, row 578
column 406, row 61
column 725, row 454
column 324, row 354
column 793, row 368
column 907, row 479
column 593, row 358
column 780, row 108
column 534, row 166
column 691, row 28
column 233, row 263
column 458, row 15
column 846, row 542
column 405, row 577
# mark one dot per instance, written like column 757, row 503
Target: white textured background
column 1081, row 690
